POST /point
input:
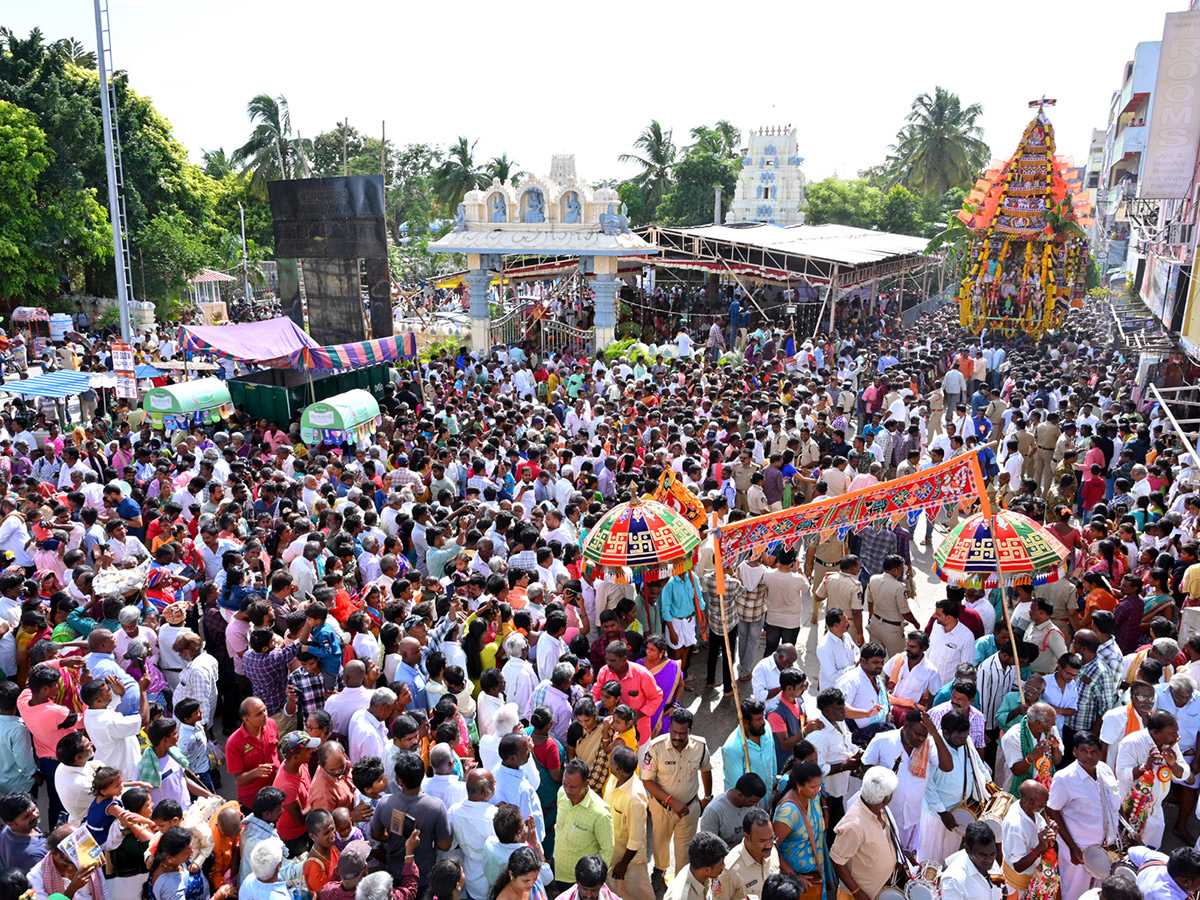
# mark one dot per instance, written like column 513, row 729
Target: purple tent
column 252, row 342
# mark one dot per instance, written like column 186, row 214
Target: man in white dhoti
column 1025, row 837
column 1084, row 803
column 1155, row 749
column 940, row 835
column 910, row 752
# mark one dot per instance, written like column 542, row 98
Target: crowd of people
column 243, row 665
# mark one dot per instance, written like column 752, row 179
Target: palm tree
column 657, row 159
column 723, row 139
column 217, row 163
column 73, row 52
column 458, row 173
column 503, row 168
column 940, row 147
column 272, row 152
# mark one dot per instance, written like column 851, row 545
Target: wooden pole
column 719, row 562
column 989, row 513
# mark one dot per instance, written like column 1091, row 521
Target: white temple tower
column 770, row 188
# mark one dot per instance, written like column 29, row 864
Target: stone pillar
column 479, row 284
column 606, row 287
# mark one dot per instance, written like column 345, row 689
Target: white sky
column 533, row 78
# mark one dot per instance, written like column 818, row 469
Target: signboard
column 329, row 218
column 1174, row 129
column 125, row 369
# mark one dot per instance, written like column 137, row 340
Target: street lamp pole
column 245, row 258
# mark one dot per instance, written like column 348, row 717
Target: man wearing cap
column 294, row 780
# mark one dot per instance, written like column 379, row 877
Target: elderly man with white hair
column 264, row 883
column 1032, row 744
column 1180, row 699
column 367, row 732
column 520, row 677
column 864, row 850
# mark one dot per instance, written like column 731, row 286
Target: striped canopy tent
column 356, row 355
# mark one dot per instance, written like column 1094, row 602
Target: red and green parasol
column 1021, row 551
column 648, row 537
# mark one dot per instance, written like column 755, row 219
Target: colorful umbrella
column 644, row 535
column 1022, row 550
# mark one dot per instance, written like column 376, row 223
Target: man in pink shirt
column 638, row 687
column 47, row 722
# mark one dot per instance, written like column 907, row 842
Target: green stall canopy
column 346, row 418
column 201, row 402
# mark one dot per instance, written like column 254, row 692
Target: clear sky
column 534, row 78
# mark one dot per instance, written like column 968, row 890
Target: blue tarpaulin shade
column 55, row 385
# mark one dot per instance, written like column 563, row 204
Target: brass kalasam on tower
column 1027, row 254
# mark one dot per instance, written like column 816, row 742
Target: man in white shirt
column 895, row 750
column 950, row 642
column 1047, row 745
column 1084, row 804
column 966, row 876
column 1153, row 749
column 368, row 727
column 1025, row 836
column 836, row 754
column 865, row 691
column 911, row 678
column 520, row 677
column 836, row 651
column 353, row 697
column 444, row 784
column 1124, row 720
column 114, row 734
column 764, row 680
column 551, row 646
column 471, row 825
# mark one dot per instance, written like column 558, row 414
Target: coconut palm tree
column 723, row 139
column 657, row 158
column 940, row 147
column 272, row 152
column 503, row 168
column 458, row 173
column 72, row 50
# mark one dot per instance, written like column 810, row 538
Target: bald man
column 471, row 826
column 1026, row 836
column 353, row 697
column 409, row 672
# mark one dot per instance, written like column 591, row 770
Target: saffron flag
column 674, row 494
column 947, row 485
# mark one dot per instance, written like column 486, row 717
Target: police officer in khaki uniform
column 887, row 605
column 1026, row 443
column 755, row 858
column 741, row 471
column 843, row 589
column 1046, row 437
column 673, row 768
column 823, row 558
column 705, row 876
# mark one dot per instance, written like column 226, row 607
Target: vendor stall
column 349, row 418
column 36, row 322
column 201, row 402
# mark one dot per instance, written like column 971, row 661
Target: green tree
column 656, row 155
column 35, row 221
column 502, row 168
column 73, row 52
column 900, row 212
column 272, row 151
column 634, row 199
column 690, row 199
column 941, row 145
column 722, row 140
column 170, row 252
column 217, row 163
column 327, row 150
column 838, row 202
column 458, row 173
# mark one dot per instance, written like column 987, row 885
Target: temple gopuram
column 1027, row 255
